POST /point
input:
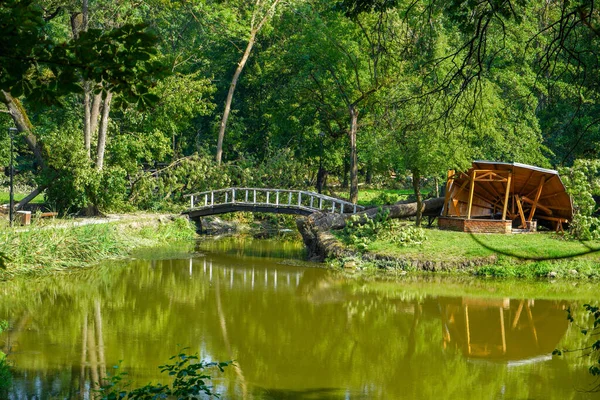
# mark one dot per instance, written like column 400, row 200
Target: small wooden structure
column 496, row 197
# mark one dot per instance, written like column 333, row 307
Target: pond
column 295, row 330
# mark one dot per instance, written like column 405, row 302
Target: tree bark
column 321, row 177
column 23, row 125
column 87, row 119
column 91, row 106
column 417, row 190
column 353, row 155
column 103, row 131
column 29, row 197
column 236, row 76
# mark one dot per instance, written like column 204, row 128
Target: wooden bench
column 557, row 221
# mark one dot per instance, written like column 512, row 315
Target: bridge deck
column 263, row 200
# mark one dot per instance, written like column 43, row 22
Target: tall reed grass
column 39, row 250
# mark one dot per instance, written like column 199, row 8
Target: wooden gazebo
column 499, row 197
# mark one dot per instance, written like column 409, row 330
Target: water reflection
column 503, row 329
column 295, row 332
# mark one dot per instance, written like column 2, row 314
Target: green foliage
column 199, row 172
column 582, row 181
column 360, row 234
column 5, row 374
column 42, row 68
column 74, row 182
column 189, row 381
column 592, row 330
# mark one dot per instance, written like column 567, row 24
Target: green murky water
column 296, row 331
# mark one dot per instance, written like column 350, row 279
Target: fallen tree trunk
column 315, row 229
column 29, row 197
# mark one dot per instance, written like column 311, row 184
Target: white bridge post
column 212, row 198
column 233, row 195
column 333, row 207
column 277, row 197
column 246, row 195
column 192, row 201
column 205, row 200
column 299, row 199
column 268, row 196
column 311, row 200
column 290, row 198
column 254, row 196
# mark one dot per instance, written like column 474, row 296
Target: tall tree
column 262, row 12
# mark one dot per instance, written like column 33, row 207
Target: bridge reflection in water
column 248, row 277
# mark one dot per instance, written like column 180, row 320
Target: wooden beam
column 455, row 206
column 547, row 210
column 449, row 184
column 537, row 197
column 548, row 196
column 506, row 197
column 523, row 221
column 471, row 191
column 477, row 205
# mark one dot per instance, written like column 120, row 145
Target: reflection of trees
column 292, row 330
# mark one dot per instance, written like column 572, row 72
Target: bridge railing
column 272, row 197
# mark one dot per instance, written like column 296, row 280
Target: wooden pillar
column 537, row 198
column 471, row 191
column 506, row 196
column 449, row 182
column 521, row 214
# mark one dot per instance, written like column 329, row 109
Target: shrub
column 189, row 381
column 582, row 181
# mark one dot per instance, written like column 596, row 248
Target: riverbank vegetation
column 39, row 250
column 390, row 244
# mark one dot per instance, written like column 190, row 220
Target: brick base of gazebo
column 475, row 225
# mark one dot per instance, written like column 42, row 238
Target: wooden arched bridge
column 280, row 201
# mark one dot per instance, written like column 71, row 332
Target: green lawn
column 533, row 255
column 448, row 245
column 5, row 197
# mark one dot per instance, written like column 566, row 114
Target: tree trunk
column 345, row 182
column 87, row 118
column 369, row 176
column 91, row 106
column 416, row 174
column 29, row 197
column 234, row 81
column 21, row 120
column 103, row 130
column 353, row 156
column 321, row 177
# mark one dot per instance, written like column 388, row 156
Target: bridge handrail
column 324, row 197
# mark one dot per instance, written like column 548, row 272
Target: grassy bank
column 5, row 197
column 517, row 255
column 39, row 250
